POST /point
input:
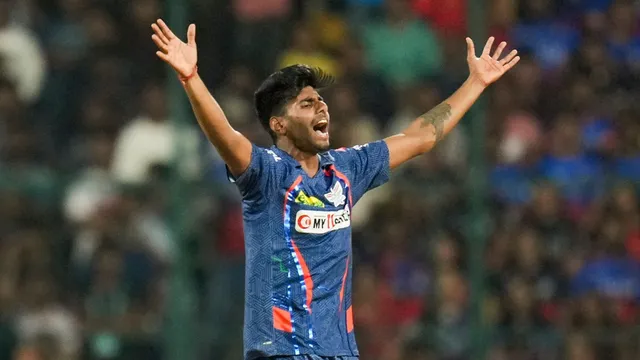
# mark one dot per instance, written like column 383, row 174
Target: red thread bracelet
column 184, row 79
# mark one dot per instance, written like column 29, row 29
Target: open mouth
column 321, row 128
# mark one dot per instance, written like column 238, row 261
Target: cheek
column 296, row 129
column 300, row 124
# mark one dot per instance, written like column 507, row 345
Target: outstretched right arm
column 234, row 148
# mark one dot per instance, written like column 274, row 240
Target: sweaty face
column 307, row 121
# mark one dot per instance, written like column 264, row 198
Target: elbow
column 425, row 143
column 422, row 139
column 416, row 144
column 427, row 146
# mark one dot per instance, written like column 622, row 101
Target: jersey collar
column 326, row 159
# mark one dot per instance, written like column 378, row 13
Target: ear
column 277, row 125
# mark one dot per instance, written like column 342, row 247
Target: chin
column 324, row 146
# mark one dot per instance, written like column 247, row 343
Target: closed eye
column 309, row 102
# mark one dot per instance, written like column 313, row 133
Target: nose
column 322, row 107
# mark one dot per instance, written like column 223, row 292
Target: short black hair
column 284, row 85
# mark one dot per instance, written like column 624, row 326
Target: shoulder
column 361, row 157
column 374, row 147
column 346, row 151
column 262, row 169
column 267, row 157
column 268, row 153
column 340, row 155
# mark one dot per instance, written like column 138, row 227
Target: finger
column 471, row 49
column 165, row 29
column 487, row 46
column 509, row 57
column 162, row 46
column 511, row 63
column 499, row 50
column 159, row 33
column 162, row 56
column 191, row 34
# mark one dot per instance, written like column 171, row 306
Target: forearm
column 432, row 126
column 233, row 147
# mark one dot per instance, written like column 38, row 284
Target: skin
column 295, row 133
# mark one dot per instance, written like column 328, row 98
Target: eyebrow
column 310, row 99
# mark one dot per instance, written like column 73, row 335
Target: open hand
column 182, row 56
column 488, row 68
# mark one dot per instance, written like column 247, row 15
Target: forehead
column 307, row 92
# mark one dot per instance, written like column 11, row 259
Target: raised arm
column 234, row 148
column 428, row 129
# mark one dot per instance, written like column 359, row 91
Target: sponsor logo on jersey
column 355, row 147
column 336, row 195
column 322, row 222
column 272, row 153
column 304, row 199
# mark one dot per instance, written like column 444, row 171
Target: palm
column 488, row 68
column 182, row 56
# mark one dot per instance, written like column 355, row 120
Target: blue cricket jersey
column 298, row 248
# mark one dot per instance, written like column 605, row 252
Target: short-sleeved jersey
column 297, row 233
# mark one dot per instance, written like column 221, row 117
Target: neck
column 309, row 161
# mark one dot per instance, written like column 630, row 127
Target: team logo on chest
column 336, row 195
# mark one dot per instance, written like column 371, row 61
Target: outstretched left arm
column 428, row 129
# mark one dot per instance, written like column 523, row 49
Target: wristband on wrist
column 184, row 79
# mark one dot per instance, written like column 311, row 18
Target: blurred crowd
column 87, row 139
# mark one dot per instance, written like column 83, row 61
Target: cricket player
column 298, row 195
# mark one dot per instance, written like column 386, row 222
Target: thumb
column 191, row 34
